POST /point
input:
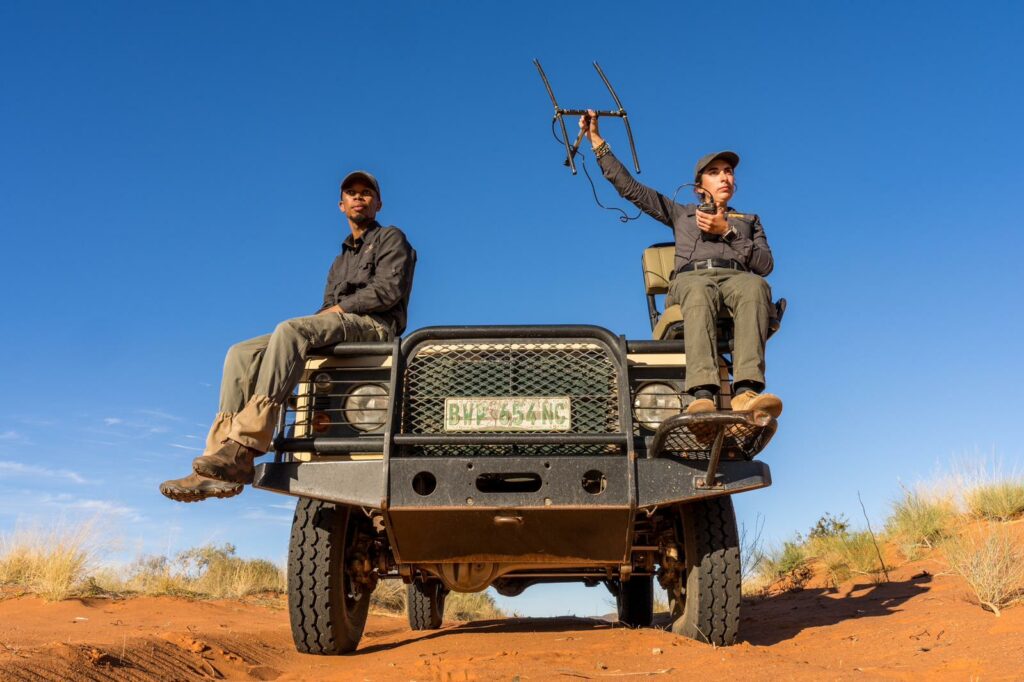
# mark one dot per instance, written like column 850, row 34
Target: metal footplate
column 712, row 435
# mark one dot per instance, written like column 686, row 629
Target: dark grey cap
column 732, row 157
column 365, row 177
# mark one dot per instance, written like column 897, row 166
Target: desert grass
column 471, row 606
column 920, row 519
column 991, row 560
column 62, row 562
column 996, row 501
column 53, row 563
column 847, row 555
column 390, row 597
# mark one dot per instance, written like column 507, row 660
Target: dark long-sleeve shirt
column 750, row 247
column 373, row 276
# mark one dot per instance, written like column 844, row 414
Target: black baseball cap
column 732, row 157
column 365, row 177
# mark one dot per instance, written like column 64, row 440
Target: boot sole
column 219, row 474
column 199, row 495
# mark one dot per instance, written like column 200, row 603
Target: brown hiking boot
column 231, row 463
column 748, row 401
column 196, row 488
column 701, row 405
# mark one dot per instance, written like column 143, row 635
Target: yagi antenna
column 570, row 151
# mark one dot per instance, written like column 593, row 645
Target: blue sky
column 168, row 179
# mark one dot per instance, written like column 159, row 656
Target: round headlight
column 366, row 407
column 654, row 403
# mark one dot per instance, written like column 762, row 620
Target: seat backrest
column 659, row 262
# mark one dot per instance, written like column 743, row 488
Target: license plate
column 506, row 415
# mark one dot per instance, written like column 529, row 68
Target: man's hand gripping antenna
column 570, row 151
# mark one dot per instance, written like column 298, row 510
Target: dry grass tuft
column 471, row 606
column 217, row 572
column 52, row 563
column 996, row 501
column 389, row 596
column 846, row 555
column 991, row 561
column 919, row 520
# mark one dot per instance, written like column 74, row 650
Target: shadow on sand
column 763, row 622
column 777, row 618
column 504, row 626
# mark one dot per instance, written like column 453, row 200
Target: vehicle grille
column 583, row 372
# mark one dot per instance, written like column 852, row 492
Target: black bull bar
column 514, row 500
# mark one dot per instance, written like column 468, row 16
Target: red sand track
column 913, row 628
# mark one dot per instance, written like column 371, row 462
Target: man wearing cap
column 721, row 259
column 366, row 299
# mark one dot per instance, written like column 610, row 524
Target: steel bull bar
column 625, row 482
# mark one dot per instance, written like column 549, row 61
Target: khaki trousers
column 260, row 374
column 700, row 294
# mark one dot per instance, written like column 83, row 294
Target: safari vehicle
column 461, row 458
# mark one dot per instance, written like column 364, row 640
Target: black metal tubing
column 395, row 388
column 330, row 446
column 670, row 346
column 350, row 348
column 505, row 333
column 715, row 419
column 622, row 110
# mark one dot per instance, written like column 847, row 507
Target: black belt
column 708, row 263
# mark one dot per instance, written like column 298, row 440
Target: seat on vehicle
column 658, row 263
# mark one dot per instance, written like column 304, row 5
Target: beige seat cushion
column 659, row 262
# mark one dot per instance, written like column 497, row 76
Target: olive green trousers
column 702, row 294
column 260, row 373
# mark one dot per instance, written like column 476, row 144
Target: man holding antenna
column 721, row 258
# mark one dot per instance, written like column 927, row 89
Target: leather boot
column 195, row 488
column 231, row 463
column 748, row 401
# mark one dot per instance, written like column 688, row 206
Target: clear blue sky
column 168, row 186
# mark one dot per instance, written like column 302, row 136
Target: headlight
column 367, row 407
column 654, row 403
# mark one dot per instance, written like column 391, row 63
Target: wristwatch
column 729, row 235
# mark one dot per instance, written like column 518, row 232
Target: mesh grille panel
column 582, row 372
column 742, row 441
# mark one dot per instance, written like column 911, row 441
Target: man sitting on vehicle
column 721, row 258
column 366, row 299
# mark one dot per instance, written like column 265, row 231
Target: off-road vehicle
column 461, row 458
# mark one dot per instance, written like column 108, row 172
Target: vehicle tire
column 425, row 604
column 635, row 602
column 710, row 608
column 327, row 611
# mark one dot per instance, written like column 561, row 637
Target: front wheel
column 326, row 607
column 709, row 610
column 425, row 604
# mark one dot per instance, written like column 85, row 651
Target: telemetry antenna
column 560, row 113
